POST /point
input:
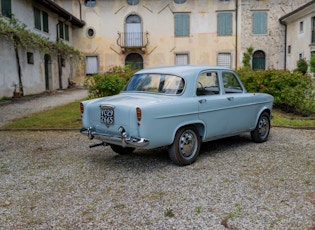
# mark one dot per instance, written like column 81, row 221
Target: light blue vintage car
column 179, row 107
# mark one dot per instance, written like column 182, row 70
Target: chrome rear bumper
column 123, row 140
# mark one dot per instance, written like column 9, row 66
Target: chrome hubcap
column 263, row 127
column 187, row 144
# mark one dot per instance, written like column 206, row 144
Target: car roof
column 180, row 70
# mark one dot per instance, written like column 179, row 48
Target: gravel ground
column 52, row 180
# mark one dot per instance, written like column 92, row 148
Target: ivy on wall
column 15, row 31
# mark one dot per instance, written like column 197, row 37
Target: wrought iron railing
column 133, row 39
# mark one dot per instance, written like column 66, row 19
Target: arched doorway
column 47, row 67
column 259, row 60
column 134, row 60
column 133, row 31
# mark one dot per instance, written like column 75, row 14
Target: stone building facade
column 146, row 33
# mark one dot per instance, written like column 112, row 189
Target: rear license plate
column 107, row 115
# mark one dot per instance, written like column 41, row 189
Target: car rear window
column 156, row 83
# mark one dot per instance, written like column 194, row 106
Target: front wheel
column 122, row 150
column 186, row 146
column 261, row 132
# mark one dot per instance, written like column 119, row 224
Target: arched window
column 134, row 60
column 259, row 60
column 133, row 31
column 132, row 2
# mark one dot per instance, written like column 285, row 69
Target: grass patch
column 66, row 116
column 284, row 119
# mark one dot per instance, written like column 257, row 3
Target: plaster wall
column 107, row 18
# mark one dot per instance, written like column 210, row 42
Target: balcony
column 133, row 40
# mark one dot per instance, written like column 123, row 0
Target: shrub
column 302, row 66
column 109, row 83
column 293, row 92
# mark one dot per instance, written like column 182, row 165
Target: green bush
column 293, row 92
column 109, row 83
column 302, row 66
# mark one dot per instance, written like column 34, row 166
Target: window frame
column 177, row 55
column 6, row 8
column 181, row 24
column 90, row 3
column 41, row 20
column 259, row 27
column 96, row 65
column 225, row 23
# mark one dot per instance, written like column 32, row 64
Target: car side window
column 208, row 84
column 231, row 84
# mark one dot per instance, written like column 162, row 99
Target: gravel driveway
column 52, row 180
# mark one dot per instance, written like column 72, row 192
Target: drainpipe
column 59, row 58
column 285, row 44
column 80, row 7
column 236, row 33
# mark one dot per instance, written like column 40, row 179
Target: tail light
column 81, row 108
column 139, row 113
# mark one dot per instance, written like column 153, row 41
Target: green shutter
column 259, row 23
column 37, row 18
column 181, row 24
column 6, row 8
column 225, row 23
column 45, row 22
column 66, row 32
column 61, row 34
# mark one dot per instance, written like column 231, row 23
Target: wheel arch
column 199, row 125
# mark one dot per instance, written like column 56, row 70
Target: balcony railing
column 133, row 40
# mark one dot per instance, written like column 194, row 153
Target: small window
column 224, row 23
column 90, row 32
column 30, row 58
column 41, row 20
column 224, row 0
column 45, row 22
column 63, row 31
column 260, row 22
column 90, row 3
column 289, row 49
column 301, row 27
column 132, row 2
column 231, row 84
column 37, row 18
column 91, row 65
column 179, row 1
column 182, row 24
column 224, row 59
column 181, row 59
column 6, row 8
column 208, row 84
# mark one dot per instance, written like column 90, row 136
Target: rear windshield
column 156, row 83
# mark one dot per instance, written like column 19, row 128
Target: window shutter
column 45, row 22
column 66, row 32
column 225, row 23
column 181, row 24
column 91, row 65
column 259, row 23
column 6, row 8
column 181, row 59
column 37, row 19
column 61, row 34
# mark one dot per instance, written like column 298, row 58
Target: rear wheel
column 186, row 146
column 261, row 132
column 122, row 150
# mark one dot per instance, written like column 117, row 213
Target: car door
column 212, row 104
column 240, row 112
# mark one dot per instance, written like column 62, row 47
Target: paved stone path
column 19, row 108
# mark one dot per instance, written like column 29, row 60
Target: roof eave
column 54, row 7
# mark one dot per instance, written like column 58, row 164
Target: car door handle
column 202, row 101
column 230, row 98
